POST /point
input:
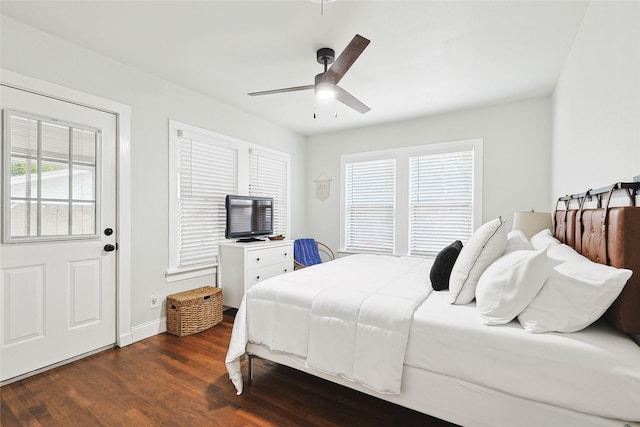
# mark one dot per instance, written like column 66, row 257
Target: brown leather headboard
column 612, row 239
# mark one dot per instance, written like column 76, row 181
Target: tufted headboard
column 608, row 236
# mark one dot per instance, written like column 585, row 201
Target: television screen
column 248, row 216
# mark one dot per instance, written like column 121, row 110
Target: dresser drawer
column 259, row 274
column 269, row 256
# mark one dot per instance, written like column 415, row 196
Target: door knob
column 109, row 248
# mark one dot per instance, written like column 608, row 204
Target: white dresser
column 242, row 265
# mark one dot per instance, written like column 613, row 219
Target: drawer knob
column 285, row 270
column 257, row 277
column 285, row 254
column 257, row 259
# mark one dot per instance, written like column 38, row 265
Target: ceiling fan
column 326, row 83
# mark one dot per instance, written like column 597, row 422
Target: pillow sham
column 485, row 246
column 509, row 284
column 443, row 264
column 575, row 295
column 517, row 241
column 543, row 239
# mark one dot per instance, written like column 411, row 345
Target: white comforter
column 350, row 317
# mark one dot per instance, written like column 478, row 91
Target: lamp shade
column 531, row 223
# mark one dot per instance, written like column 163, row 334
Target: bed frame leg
column 250, row 365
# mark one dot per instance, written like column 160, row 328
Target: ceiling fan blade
column 346, row 59
column 350, row 101
column 287, row 89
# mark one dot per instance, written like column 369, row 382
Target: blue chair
column 306, row 252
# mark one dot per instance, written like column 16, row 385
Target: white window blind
column 268, row 178
column 441, row 201
column 207, row 172
column 370, row 205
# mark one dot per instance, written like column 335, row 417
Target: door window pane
column 24, row 218
column 84, row 182
column 84, row 218
column 84, row 146
column 24, row 135
column 55, row 218
column 51, row 167
column 24, row 177
column 55, row 180
column 55, row 141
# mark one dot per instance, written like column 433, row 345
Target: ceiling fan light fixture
column 325, row 85
column 325, row 90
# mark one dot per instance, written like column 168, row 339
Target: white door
column 57, row 258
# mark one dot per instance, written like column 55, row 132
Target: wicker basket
column 194, row 311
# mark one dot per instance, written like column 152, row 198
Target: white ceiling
column 425, row 57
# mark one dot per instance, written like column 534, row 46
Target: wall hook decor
column 323, row 187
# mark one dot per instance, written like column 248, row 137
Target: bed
column 408, row 344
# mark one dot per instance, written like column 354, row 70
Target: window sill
column 175, row 274
column 346, row 252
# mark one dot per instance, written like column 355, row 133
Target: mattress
column 595, row 371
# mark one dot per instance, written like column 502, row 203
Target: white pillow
column 509, row 284
column 485, row 246
column 564, row 253
column 575, row 295
column 543, row 240
column 517, row 241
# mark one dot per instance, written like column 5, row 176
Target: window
column 207, row 172
column 441, row 201
column 50, row 174
column 268, row 177
column 411, row 200
column 370, row 205
column 205, row 167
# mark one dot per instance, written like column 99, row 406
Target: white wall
column 517, row 143
column 31, row 52
column 596, row 102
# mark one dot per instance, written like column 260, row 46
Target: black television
column 248, row 217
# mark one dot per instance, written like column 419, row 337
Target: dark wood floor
column 169, row 380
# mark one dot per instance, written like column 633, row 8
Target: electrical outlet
column 155, row 301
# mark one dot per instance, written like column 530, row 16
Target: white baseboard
column 149, row 329
column 124, row 340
